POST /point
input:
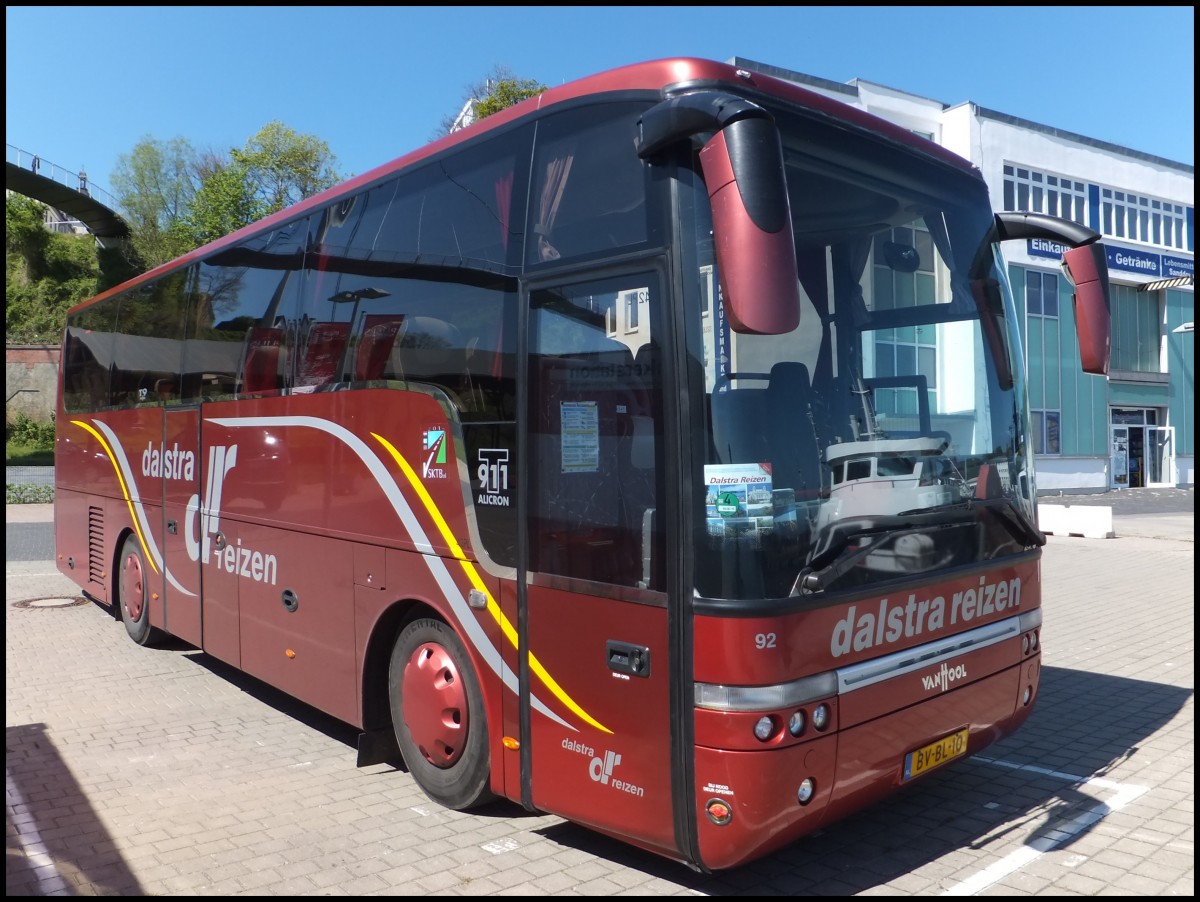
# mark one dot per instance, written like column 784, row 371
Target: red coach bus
column 654, row 453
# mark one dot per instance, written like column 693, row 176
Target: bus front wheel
column 133, row 594
column 437, row 711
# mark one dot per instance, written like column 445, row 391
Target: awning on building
column 1177, row 282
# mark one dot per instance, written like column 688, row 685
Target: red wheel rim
column 133, row 586
column 435, row 705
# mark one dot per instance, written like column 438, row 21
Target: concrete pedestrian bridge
column 70, row 192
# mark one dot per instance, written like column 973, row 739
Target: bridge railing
column 23, row 159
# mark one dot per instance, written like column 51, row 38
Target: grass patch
column 18, row 455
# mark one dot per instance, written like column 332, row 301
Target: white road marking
column 31, row 840
column 1122, row 795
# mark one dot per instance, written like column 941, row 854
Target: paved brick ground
column 135, row 771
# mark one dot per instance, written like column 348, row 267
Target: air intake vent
column 96, row 545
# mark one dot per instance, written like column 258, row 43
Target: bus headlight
column 806, row 791
column 763, row 729
column 796, row 723
column 820, row 717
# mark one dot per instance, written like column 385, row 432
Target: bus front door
column 598, row 748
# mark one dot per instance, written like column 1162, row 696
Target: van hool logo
column 434, row 444
column 941, row 679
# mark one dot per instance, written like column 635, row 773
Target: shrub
column 28, row 494
column 21, row 430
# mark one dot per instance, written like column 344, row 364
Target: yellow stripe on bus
column 493, row 608
column 124, row 490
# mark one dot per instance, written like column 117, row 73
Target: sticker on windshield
column 738, row 498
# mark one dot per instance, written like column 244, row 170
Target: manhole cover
column 52, row 601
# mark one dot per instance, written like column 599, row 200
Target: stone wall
column 31, row 380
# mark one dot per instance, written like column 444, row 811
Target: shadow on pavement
column 39, row 860
column 1084, row 725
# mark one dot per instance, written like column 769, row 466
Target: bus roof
column 652, row 76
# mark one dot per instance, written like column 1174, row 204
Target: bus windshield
column 893, row 442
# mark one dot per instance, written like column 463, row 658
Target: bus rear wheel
column 437, row 711
column 133, row 594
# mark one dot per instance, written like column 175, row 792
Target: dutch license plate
column 927, row 757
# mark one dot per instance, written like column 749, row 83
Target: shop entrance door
column 1119, row 454
column 1141, row 452
column 1160, row 455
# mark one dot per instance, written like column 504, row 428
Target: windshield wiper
column 1015, row 521
column 1002, row 508
column 832, row 555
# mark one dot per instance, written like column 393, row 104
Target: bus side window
column 374, row 351
column 321, row 357
column 87, row 358
column 581, row 437
column 595, row 439
column 243, row 297
column 433, row 351
column 589, row 185
column 262, row 366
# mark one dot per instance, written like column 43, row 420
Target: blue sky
column 86, row 84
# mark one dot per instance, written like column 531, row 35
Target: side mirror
column 752, row 227
column 1085, row 266
column 752, row 219
column 1087, row 269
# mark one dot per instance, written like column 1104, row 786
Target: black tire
column 133, row 594
column 438, row 715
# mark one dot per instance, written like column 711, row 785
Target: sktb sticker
column 433, row 465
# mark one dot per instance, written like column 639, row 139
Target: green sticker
column 728, row 504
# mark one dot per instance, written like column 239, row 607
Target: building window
column 1136, row 218
column 1046, row 432
column 631, row 309
column 1136, row 329
column 1031, row 191
column 1041, row 293
column 909, row 351
column 895, row 287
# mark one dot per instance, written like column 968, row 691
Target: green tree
column 224, row 203
column 506, row 93
column 25, row 234
column 282, row 167
column 275, row 169
column 174, row 198
column 499, row 90
column 155, row 185
column 45, row 273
